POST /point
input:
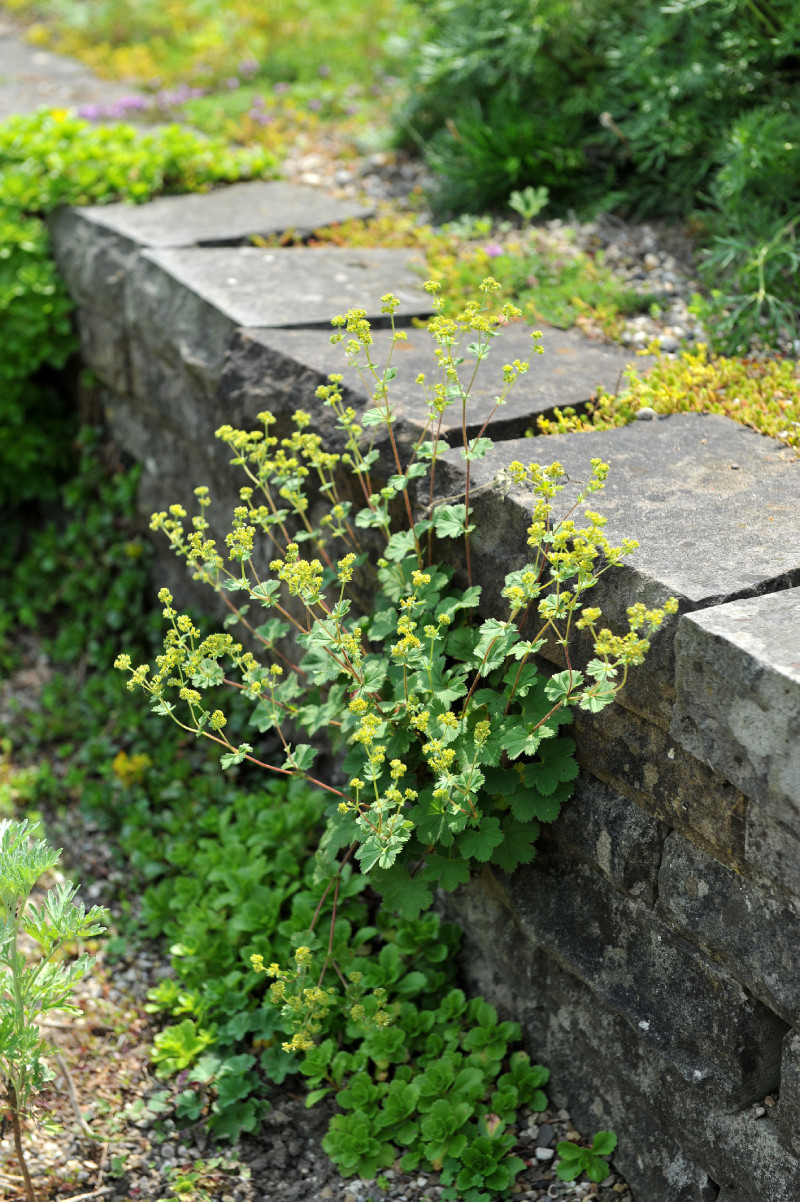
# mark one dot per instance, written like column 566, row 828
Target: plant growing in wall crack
column 451, row 738
column 28, row 989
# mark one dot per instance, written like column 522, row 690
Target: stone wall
column 652, row 950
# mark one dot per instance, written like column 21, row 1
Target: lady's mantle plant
column 450, row 734
column 451, row 737
column 30, row 986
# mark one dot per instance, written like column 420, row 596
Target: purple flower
column 493, row 250
column 315, row 105
column 232, row 83
column 280, row 88
column 324, row 71
column 249, row 66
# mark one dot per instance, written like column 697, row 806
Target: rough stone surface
column 752, row 930
column 226, row 216
column 284, row 368
column 648, row 1107
column 738, row 709
column 94, row 264
column 789, row 1105
column 619, row 838
column 642, row 762
column 669, row 994
column 677, row 1141
column 708, row 533
column 297, row 286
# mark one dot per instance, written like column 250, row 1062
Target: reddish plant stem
column 23, row 1164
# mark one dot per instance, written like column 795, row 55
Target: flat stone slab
column 226, row 216
column 300, row 287
column 715, row 508
column 738, row 708
column 296, row 362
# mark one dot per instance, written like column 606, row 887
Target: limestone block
column 715, row 508
column 227, row 216
column 641, row 1097
column 183, row 306
column 670, row 995
column 643, row 763
column 95, row 246
column 678, row 1139
column 283, row 368
column 750, row 928
column 789, row 1104
column 94, row 264
column 675, row 1141
column 297, row 286
column 619, row 838
column 738, row 708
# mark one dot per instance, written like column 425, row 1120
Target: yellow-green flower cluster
column 302, row 577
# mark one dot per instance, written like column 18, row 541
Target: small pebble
column 543, row 1154
column 646, row 414
column 546, row 1136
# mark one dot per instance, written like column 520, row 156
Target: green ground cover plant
column 47, row 159
column 761, row 394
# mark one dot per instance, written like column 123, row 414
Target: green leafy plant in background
column 333, row 42
column 76, row 582
column 51, row 158
column 662, row 110
column 30, row 989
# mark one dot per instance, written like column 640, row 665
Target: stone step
column 285, row 367
column 226, row 216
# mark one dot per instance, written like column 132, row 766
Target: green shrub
column 656, row 109
column 47, row 159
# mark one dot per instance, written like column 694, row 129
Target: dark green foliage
column 657, row 110
column 642, row 100
column 47, row 159
column 80, row 580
